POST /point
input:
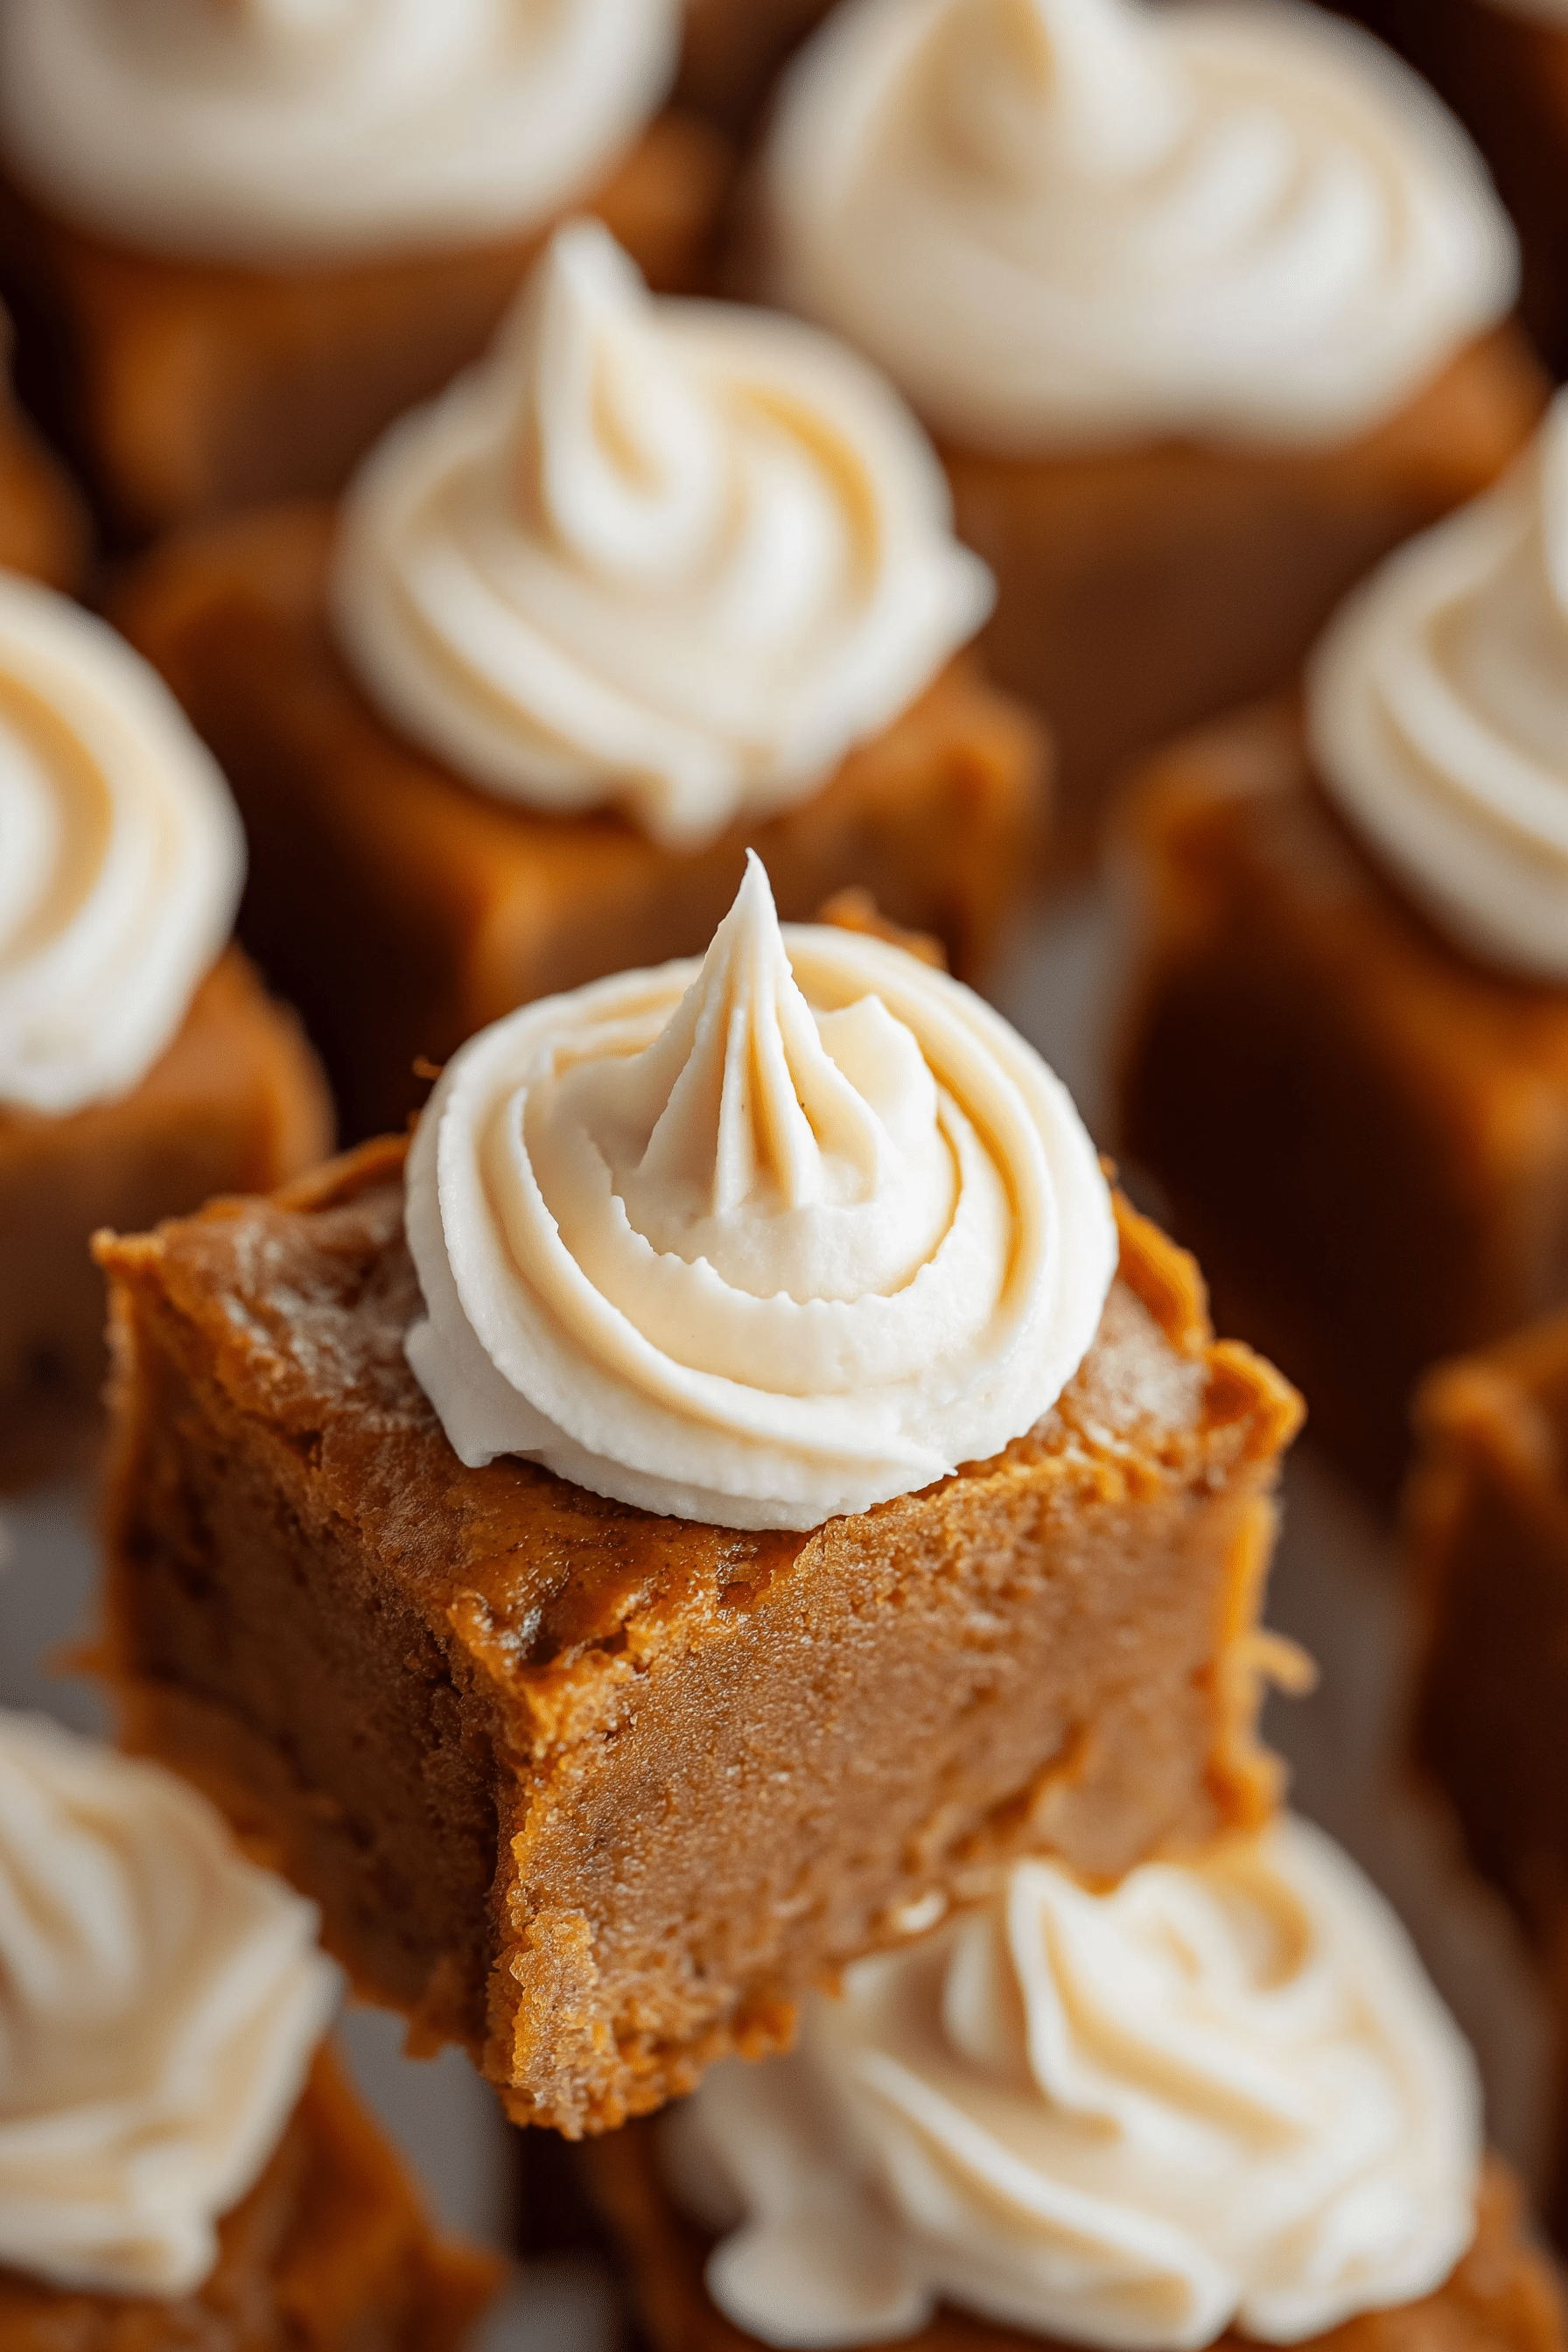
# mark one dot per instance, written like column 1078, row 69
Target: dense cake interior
column 591, row 1789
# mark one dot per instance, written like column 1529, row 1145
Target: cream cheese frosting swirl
column 757, row 1240
column 1064, row 223
column 288, row 132
column 161, row 2000
column 1224, row 2095
column 121, row 857
column 678, row 556
column 1438, row 707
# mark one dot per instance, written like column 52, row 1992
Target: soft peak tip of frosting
column 612, row 439
column 582, row 284
column 755, row 1105
column 1084, row 81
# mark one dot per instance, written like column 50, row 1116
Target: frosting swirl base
column 1222, row 2095
column 758, row 1242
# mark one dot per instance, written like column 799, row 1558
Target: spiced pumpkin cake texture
column 246, row 237
column 741, row 1483
column 1217, row 2104
column 1345, row 1049
column 1207, row 307
column 181, row 2161
column 658, row 580
column 142, row 1065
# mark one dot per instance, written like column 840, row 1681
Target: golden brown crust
column 1363, row 1134
column 1502, row 2297
column 193, row 388
column 594, row 1791
column 329, row 2253
column 403, row 910
column 238, row 1103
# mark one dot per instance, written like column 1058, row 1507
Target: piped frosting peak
column 1030, row 89
column 793, row 1154
column 673, row 556
column 757, row 1240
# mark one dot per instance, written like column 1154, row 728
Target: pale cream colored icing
column 1222, row 2095
column 121, row 857
column 1437, row 709
column 161, row 2000
column 757, row 1240
column 677, row 556
column 299, row 131
column 1064, row 223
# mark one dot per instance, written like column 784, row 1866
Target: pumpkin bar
column 234, row 1103
column 1500, row 2297
column 1363, row 1134
column 190, row 388
column 401, row 909
column 329, row 2253
column 597, row 1792
column 1142, row 591
column 1486, row 1541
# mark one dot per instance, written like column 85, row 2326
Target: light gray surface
column 1335, row 1589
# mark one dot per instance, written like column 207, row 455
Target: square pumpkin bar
column 330, row 2252
column 1142, row 591
column 1500, row 2297
column 401, row 909
column 1486, row 1526
column 191, row 388
column 1486, row 1544
column 597, row 1791
column 1363, row 1134
column 237, row 1102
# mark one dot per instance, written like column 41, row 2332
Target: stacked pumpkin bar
column 735, row 1508
column 596, row 1790
column 182, row 2161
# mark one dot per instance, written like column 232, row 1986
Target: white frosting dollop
column 677, row 556
column 756, row 1242
column 161, row 2000
column 1224, row 2095
column 1437, row 710
column 288, row 132
column 121, row 857
column 1064, row 223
